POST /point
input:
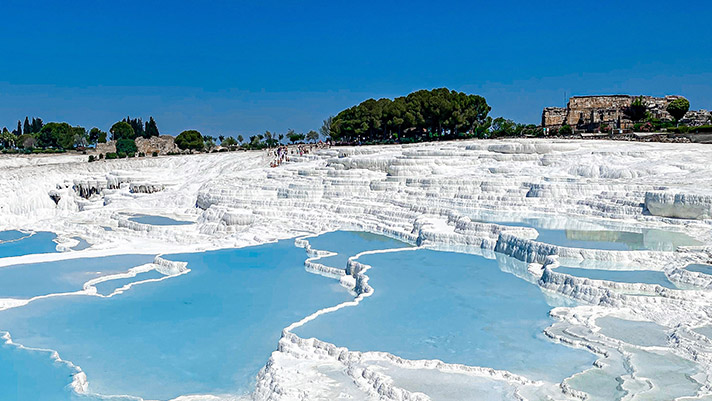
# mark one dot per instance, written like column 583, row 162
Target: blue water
column 40, row 242
column 82, row 245
column 350, row 243
column 108, row 287
column 208, row 331
column 31, row 280
column 454, row 307
column 642, row 333
column 158, row 220
column 11, row 235
column 700, row 268
column 621, row 276
column 648, row 239
column 705, row 331
column 32, row 375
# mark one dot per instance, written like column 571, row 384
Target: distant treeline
column 424, row 115
column 36, row 135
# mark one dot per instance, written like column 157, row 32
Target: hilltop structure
column 591, row 113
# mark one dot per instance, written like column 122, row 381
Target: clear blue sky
column 229, row 67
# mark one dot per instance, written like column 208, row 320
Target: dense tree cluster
column 190, row 140
column 33, row 135
column 422, row 115
column 140, row 129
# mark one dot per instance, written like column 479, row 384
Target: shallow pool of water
column 208, row 331
column 642, row 333
column 620, row 276
column 11, row 235
column 158, row 220
column 31, row 280
column 32, row 375
column 700, row 268
column 40, row 242
column 454, row 307
column 705, row 331
column 82, row 245
column 349, row 243
column 606, row 239
column 108, row 287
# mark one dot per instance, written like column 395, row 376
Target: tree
column 18, row 130
column 228, row 142
column 56, row 135
column 126, row 146
column 565, row 130
column 637, row 109
column 27, row 128
column 270, row 139
column 26, row 141
column 503, row 127
column 678, row 108
column 37, row 125
column 137, row 126
column 221, row 138
column 240, row 138
column 122, row 130
column 424, row 114
column 281, row 137
column 94, row 135
column 325, row 129
column 293, row 136
column 102, row 137
column 312, row 136
column 208, row 143
column 190, row 139
column 7, row 139
column 151, row 128
column 79, row 138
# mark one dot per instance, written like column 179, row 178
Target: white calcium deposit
column 426, row 195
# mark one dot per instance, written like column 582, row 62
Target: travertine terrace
column 428, row 195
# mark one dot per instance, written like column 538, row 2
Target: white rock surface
column 428, row 195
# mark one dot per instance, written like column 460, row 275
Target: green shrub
column 154, row 154
column 91, row 158
column 565, row 130
column 122, row 155
column 701, row 128
column 683, row 129
column 126, row 146
column 141, row 154
column 111, row 156
column 101, row 156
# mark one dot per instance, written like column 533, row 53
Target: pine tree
column 151, row 128
column 18, row 131
column 27, row 128
column 37, row 124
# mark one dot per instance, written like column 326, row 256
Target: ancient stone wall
column 161, row 144
column 591, row 113
column 553, row 116
column 104, row 148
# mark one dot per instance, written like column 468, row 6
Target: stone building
column 590, row 113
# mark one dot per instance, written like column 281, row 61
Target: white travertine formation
column 435, row 195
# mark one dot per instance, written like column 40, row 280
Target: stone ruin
column 162, row 145
column 590, row 113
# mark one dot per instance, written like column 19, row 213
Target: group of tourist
column 282, row 153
